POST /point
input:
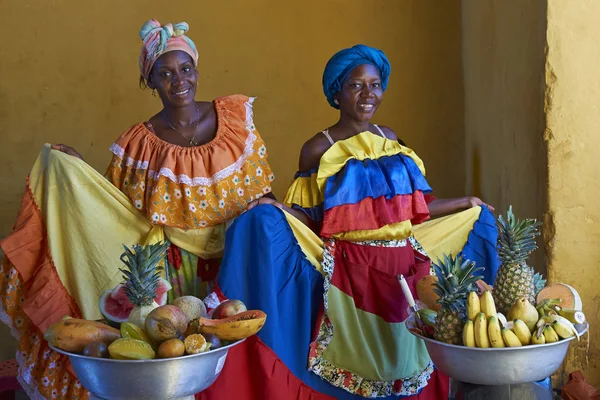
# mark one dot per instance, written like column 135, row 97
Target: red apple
column 228, row 308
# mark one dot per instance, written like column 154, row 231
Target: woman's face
column 175, row 78
column 361, row 93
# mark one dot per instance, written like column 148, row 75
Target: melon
column 568, row 294
column 116, row 307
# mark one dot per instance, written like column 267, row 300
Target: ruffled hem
column 194, row 187
column 43, row 373
column 363, row 146
column 46, row 300
column 386, row 176
column 141, row 149
column 372, row 214
column 355, row 384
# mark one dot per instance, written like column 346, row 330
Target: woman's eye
column 187, row 69
column 165, row 74
column 377, row 85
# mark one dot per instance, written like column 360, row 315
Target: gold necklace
column 190, row 140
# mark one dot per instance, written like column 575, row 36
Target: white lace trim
column 197, row 181
column 7, row 320
column 27, row 382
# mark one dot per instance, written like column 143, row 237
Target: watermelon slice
column 116, row 307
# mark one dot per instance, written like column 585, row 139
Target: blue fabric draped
column 387, row 176
column 269, row 271
column 481, row 245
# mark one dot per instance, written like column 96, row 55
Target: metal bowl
column 169, row 378
column 504, row 366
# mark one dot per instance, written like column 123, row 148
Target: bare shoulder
column 390, row 134
column 312, row 151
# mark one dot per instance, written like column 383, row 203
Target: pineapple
column 515, row 279
column 538, row 283
column 142, row 275
column 454, row 282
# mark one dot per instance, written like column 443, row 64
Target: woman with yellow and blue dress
column 336, row 312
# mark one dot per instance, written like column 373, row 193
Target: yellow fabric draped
column 88, row 219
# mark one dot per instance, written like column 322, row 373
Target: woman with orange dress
column 190, row 169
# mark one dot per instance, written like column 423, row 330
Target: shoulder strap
column 380, row 131
column 328, row 136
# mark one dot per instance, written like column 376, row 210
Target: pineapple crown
column 516, row 238
column 142, row 273
column 455, row 279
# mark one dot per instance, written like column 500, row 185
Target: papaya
column 74, row 334
column 235, row 327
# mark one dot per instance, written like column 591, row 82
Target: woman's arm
column 273, row 201
column 447, row 206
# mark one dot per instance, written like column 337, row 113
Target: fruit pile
column 519, row 310
column 142, row 326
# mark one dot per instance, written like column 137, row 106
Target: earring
column 336, row 102
column 153, row 94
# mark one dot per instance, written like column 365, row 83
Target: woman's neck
column 350, row 128
column 182, row 116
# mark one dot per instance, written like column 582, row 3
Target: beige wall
column 69, row 74
column 503, row 70
column 573, row 119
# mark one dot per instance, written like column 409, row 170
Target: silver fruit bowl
column 503, row 366
column 168, row 378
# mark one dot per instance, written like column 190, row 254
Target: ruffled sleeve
column 305, row 195
column 373, row 189
column 195, row 187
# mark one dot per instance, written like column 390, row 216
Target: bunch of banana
column 551, row 307
column 486, row 327
column 553, row 328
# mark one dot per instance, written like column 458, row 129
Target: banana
column 473, row 306
column 488, row 307
column 546, row 307
column 550, row 319
column 503, row 321
column 550, row 334
column 541, row 322
column 538, row 336
column 494, row 333
column 574, row 316
column 562, row 329
column 510, row 338
column 481, row 334
column 522, row 331
column 468, row 335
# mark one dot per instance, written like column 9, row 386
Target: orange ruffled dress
column 195, row 189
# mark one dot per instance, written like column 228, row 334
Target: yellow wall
column 503, row 70
column 69, row 74
column 572, row 100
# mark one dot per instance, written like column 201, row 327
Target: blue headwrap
column 344, row 61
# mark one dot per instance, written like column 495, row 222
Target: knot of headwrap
column 159, row 39
column 344, row 61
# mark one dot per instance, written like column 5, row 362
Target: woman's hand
column 67, row 150
column 270, row 200
column 476, row 202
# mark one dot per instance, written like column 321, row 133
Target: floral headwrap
column 159, row 39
